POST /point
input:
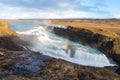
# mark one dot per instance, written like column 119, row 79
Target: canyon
column 13, row 56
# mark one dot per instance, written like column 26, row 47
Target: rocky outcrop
column 34, row 66
column 9, row 43
column 105, row 43
column 8, row 37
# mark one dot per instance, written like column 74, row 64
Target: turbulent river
column 48, row 43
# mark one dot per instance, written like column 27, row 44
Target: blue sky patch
column 59, row 9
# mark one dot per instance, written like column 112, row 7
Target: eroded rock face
column 118, row 70
column 108, row 45
column 22, row 62
column 32, row 63
column 10, row 44
column 29, row 65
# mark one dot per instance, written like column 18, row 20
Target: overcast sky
column 17, row 9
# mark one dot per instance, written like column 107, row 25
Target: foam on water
column 54, row 46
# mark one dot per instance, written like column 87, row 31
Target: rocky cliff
column 106, row 41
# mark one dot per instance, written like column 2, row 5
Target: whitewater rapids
column 43, row 40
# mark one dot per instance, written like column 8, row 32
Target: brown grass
column 5, row 29
column 109, row 28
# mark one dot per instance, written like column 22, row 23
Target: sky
column 54, row 9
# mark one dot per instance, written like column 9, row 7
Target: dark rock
column 3, row 75
column 32, row 64
column 84, row 77
column 118, row 70
column 10, row 44
column 19, row 71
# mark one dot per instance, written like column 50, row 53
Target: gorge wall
column 105, row 43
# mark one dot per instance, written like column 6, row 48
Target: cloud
column 51, row 9
column 83, row 5
column 117, row 16
column 96, row 6
column 38, row 4
column 64, row 5
column 11, row 12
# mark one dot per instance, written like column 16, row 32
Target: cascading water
column 48, row 43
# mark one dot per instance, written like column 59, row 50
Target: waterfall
column 58, row 47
